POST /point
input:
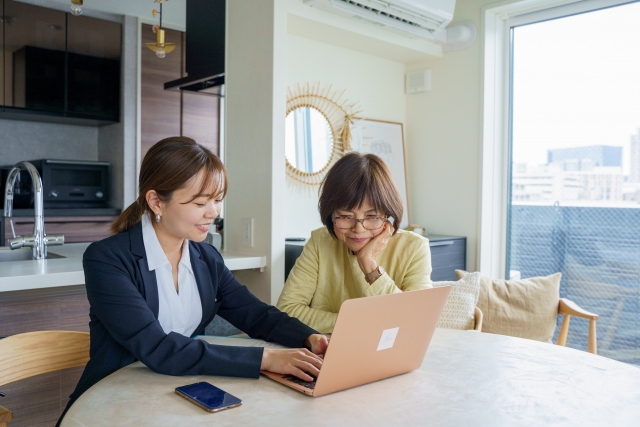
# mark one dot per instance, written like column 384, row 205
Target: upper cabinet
column 59, row 67
column 93, row 72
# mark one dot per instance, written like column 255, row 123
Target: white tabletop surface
column 467, row 379
column 23, row 275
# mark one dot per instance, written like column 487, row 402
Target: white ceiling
column 174, row 10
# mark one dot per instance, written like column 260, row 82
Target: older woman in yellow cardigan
column 360, row 251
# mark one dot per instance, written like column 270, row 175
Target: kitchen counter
column 24, row 275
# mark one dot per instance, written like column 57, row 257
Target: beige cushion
column 458, row 311
column 525, row 308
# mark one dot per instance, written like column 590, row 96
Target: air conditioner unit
column 413, row 18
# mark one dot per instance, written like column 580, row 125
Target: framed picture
column 386, row 140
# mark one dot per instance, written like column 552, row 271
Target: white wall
column 444, row 129
column 254, row 153
column 378, row 85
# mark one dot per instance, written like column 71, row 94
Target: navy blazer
column 124, row 325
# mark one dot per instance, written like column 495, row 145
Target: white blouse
column 181, row 311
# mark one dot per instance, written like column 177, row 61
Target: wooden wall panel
column 200, row 119
column 159, row 108
column 168, row 113
column 34, row 401
column 17, row 317
column 39, row 401
column 75, row 229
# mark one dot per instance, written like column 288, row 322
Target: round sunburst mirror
column 309, row 140
column 316, row 132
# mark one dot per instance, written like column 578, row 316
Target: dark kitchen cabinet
column 34, row 45
column 93, row 72
column 448, row 254
column 59, row 67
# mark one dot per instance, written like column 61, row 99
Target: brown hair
column 353, row 179
column 168, row 166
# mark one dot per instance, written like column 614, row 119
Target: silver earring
column 158, row 218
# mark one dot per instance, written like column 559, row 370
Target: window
column 574, row 164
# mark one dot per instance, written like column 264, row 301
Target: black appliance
column 66, row 184
column 204, row 49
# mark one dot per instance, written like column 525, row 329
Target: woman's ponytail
column 127, row 219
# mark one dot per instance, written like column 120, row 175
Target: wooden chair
column 569, row 308
column 566, row 308
column 35, row 353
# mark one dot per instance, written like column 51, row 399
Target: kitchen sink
column 22, row 254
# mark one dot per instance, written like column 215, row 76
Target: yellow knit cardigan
column 326, row 274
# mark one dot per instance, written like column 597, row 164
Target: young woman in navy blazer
column 181, row 186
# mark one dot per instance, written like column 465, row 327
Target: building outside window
column 574, row 175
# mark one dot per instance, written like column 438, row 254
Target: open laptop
column 375, row 338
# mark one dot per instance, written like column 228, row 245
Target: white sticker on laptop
column 388, row 338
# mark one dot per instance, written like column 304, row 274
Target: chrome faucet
column 39, row 241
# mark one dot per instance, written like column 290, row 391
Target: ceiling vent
column 412, row 18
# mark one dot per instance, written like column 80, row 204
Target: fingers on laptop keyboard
column 302, row 372
column 294, row 379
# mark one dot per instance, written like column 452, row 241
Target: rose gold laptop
column 375, row 338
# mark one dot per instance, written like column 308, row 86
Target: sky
column 577, row 83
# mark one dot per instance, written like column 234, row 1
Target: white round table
column 467, row 379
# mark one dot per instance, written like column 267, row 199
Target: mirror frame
column 337, row 113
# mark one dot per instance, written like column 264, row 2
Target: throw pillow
column 458, row 312
column 526, row 308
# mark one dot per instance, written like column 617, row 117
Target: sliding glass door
column 574, row 202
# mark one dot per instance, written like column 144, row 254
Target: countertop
column 23, row 275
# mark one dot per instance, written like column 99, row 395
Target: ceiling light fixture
column 76, row 7
column 160, row 47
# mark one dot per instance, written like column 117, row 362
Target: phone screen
column 208, row 395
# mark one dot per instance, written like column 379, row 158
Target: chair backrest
column 34, row 353
column 478, row 316
column 291, row 253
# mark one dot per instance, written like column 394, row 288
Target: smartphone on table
column 208, row 396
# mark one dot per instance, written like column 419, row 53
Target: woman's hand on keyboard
column 318, row 344
column 295, row 361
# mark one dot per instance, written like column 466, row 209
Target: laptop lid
column 379, row 337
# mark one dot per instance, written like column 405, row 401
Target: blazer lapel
column 149, row 281
column 205, row 286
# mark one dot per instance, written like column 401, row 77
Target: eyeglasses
column 369, row 223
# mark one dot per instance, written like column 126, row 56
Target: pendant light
column 76, row 7
column 160, row 47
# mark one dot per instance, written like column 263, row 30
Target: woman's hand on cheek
column 367, row 255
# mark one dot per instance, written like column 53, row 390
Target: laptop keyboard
column 303, row 383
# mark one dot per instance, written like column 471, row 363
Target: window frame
column 498, row 21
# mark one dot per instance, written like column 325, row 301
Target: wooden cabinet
column 75, row 229
column 448, row 254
